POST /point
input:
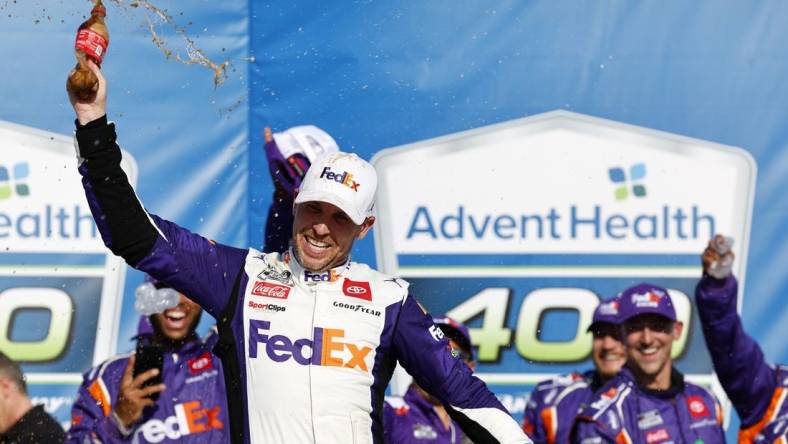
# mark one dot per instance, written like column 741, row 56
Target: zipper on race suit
column 313, row 290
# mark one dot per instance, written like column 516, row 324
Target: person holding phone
column 170, row 389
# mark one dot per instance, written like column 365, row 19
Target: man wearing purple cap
column 554, row 404
column 308, row 338
column 649, row 401
column 756, row 388
column 418, row 417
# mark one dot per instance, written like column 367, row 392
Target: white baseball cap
column 343, row 180
column 309, row 140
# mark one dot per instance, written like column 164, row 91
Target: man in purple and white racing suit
column 114, row 405
column 756, row 389
column 308, row 338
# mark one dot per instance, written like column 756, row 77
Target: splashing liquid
column 193, row 55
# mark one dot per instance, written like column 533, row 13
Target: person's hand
column 286, row 173
column 718, row 258
column 290, row 153
column 132, row 397
column 90, row 110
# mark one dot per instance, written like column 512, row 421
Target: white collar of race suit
column 307, row 277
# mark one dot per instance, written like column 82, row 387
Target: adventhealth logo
column 345, row 178
column 575, row 221
column 618, row 176
column 21, row 171
column 34, row 220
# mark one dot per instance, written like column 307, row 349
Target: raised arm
column 425, row 354
column 279, row 224
column 188, row 262
column 733, row 352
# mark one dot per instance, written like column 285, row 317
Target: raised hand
column 133, row 397
column 718, row 258
column 96, row 106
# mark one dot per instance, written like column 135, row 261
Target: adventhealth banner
column 60, row 287
column 66, row 304
column 520, row 229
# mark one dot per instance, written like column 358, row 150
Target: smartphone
column 148, row 356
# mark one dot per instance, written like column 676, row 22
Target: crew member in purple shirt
column 649, row 401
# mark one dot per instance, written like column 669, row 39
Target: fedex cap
column 344, row 180
column 455, row 331
column 606, row 312
column 308, row 140
column 645, row 298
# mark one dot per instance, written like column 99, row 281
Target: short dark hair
column 11, row 370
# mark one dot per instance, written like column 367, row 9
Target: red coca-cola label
column 657, row 436
column 697, row 407
column 200, row 363
column 267, row 289
column 93, row 44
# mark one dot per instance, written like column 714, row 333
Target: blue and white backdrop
column 535, row 157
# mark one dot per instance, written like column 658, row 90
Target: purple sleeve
column 425, row 354
column 195, row 266
column 89, row 422
column 733, row 352
column 388, row 420
column 532, row 421
column 279, row 225
column 201, row 269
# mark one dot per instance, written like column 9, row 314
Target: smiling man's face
column 649, row 340
column 177, row 323
column 607, row 350
column 323, row 235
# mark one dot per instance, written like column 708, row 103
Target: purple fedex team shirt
column 413, row 420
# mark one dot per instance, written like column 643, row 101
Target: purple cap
column 606, row 312
column 462, row 336
column 645, row 298
column 144, row 326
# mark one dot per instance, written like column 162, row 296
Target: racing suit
column 412, row 419
column 554, row 404
column 623, row 412
column 756, row 389
column 306, row 355
column 192, row 409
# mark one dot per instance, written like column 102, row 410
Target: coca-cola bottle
column 92, row 42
